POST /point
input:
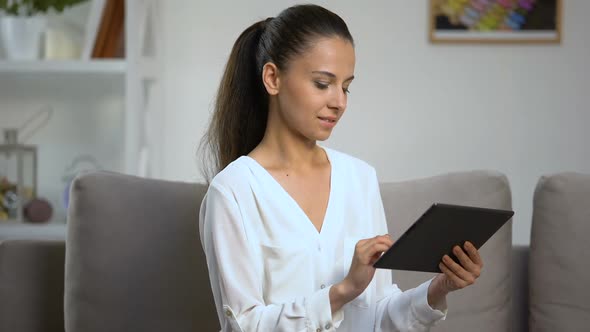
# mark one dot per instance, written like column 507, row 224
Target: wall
column 87, row 120
column 416, row 109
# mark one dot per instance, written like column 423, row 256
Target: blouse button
column 228, row 313
column 323, row 286
column 328, row 326
column 318, row 330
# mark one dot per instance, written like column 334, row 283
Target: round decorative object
column 38, row 211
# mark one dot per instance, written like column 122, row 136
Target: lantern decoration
column 18, row 176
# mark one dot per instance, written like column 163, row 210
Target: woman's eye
column 321, row 85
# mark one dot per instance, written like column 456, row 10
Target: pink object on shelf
column 38, row 211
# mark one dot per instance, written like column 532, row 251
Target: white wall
column 88, row 119
column 415, row 109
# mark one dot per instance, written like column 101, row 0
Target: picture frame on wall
column 495, row 21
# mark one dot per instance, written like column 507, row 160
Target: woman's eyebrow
column 327, row 73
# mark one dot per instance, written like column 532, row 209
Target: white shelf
column 106, row 108
column 115, row 66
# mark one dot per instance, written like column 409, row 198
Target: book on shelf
column 92, row 24
column 110, row 38
column 105, row 30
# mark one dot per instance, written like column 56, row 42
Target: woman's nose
column 338, row 100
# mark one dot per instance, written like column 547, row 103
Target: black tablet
column 437, row 231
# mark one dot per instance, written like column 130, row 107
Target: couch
column 138, row 259
column 134, row 262
column 559, row 263
column 32, row 259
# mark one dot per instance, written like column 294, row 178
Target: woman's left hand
column 456, row 276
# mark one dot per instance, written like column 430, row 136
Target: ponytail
column 241, row 106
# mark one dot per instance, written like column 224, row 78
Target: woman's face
column 313, row 90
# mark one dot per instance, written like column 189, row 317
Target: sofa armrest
column 520, row 287
column 32, row 285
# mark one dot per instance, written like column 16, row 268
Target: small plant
column 32, row 7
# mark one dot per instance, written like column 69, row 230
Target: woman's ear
column 270, row 78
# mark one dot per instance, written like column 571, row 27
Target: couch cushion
column 134, row 261
column 559, row 269
column 32, row 285
column 484, row 306
column 31, row 231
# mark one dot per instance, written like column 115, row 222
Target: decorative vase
column 22, row 35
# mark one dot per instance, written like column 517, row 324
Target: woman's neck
column 282, row 150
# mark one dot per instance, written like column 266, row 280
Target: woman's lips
column 327, row 122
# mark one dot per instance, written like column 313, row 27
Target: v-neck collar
column 296, row 205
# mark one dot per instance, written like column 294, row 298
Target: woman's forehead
column 334, row 55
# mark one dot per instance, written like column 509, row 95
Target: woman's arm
column 396, row 310
column 361, row 271
column 236, row 279
column 419, row 308
column 455, row 276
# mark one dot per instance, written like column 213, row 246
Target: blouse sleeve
column 236, row 280
column 397, row 310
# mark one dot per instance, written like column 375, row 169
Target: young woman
column 291, row 229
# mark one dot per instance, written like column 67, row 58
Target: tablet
column 437, row 231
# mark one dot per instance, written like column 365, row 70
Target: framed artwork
column 495, row 21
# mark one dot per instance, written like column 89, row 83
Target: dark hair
column 240, row 113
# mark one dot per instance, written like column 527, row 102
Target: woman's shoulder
column 350, row 164
column 234, row 175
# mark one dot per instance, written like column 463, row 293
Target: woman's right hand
column 361, row 272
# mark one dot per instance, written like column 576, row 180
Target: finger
column 384, row 239
column 375, row 257
column 458, row 282
column 373, row 253
column 362, row 242
column 461, row 281
column 381, row 238
column 473, row 254
column 362, row 245
column 466, row 261
column 458, row 270
column 377, row 248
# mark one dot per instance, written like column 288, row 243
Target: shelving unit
column 64, row 66
column 110, row 109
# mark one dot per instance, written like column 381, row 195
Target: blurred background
column 416, row 109
column 141, row 103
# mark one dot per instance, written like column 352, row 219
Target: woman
column 291, row 229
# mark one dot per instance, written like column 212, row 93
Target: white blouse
column 271, row 270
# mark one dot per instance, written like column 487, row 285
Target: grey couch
column 134, row 261
column 560, row 254
column 31, row 277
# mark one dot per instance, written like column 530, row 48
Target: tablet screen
column 437, row 231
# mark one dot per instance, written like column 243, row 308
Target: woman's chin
column 318, row 135
column 323, row 137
